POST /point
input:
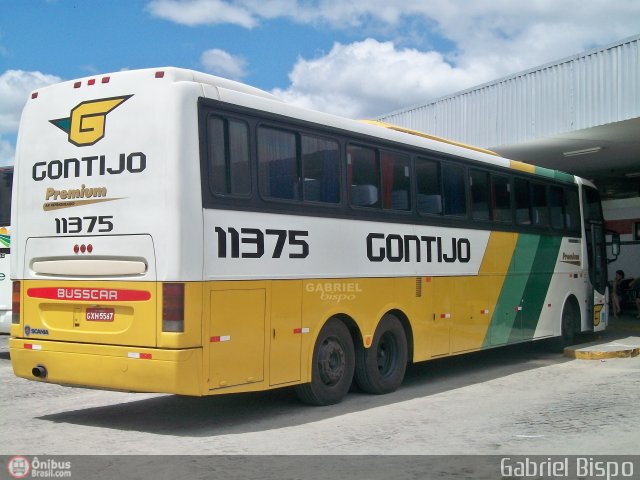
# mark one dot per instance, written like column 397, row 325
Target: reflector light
column 106, row 79
column 173, row 307
column 15, row 302
column 34, row 95
column 159, row 74
column 92, row 81
column 142, row 356
column 82, row 248
column 77, row 85
column 220, row 338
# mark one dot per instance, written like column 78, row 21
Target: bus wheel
column 569, row 323
column 332, row 367
column 381, row 367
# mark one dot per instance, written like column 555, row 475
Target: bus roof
column 426, row 135
column 252, row 97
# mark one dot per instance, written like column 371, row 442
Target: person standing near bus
column 615, row 292
column 635, row 286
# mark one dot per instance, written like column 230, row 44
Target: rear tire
column 381, row 367
column 332, row 368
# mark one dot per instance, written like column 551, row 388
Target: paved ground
column 517, row 400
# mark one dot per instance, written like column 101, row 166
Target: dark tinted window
column 429, row 197
column 228, row 143
column 396, row 183
column 501, row 197
column 572, row 209
column 320, row 166
column 278, row 166
column 592, row 207
column 480, row 195
column 364, row 176
column 539, row 207
column 454, row 186
column 556, row 207
column 522, row 202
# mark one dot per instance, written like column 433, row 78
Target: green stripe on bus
column 536, row 289
column 504, row 316
column 524, row 290
column 555, row 174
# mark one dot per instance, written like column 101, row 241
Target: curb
column 601, row 355
column 599, row 350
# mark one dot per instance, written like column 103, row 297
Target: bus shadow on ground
column 262, row 411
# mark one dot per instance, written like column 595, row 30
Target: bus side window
column 479, row 181
column 429, row 197
column 320, row 166
column 572, row 209
column 454, row 186
column 523, row 202
column 501, row 198
column 364, row 176
column 556, row 204
column 539, row 205
column 228, row 142
column 396, row 183
column 278, row 165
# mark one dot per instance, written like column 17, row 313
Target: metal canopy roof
column 580, row 114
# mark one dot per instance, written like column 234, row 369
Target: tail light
column 173, row 307
column 15, row 303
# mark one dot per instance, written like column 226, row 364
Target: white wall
column 629, row 259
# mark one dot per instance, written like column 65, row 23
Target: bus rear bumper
column 134, row 369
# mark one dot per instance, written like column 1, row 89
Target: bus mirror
column 615, row 243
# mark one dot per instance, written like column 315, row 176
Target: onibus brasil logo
column 86, row 124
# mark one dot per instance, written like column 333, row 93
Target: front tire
column 569, row 322
column 332, row 368
column 381, row 367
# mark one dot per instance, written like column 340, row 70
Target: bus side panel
column 569, row 279
column 236, row 338
column 481, row 293
column 286, row 332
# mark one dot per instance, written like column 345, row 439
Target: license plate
column 100, row 314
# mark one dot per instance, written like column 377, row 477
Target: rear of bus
column 107, row 244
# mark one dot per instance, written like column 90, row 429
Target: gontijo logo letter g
column 86, row 124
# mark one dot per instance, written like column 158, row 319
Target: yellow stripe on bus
column 523, row 167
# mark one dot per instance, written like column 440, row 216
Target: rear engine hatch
column 91, row 289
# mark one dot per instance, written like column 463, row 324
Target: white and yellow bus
column 182, row 233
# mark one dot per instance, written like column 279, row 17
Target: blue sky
column 355, row 58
